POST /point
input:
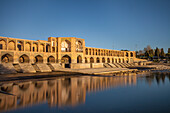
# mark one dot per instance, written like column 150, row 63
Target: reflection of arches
column 24, row 59
column 38, row 59
column 27, row 46
column 115, row 60
column 91, row 60
column 11, row 45
column 108, row 60
column 119, row 60
column 97, row 60
column 79, row 59
column 51, row 59
column 6, row 89
column 24, row 87
column 2, row 44
column 127, row 54
column 66, row 46
column 38, row 85
column 86, row 60
column 103, row 60
column 7, row 58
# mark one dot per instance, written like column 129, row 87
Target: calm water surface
column 88, row 94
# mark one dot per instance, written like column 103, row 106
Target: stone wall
column 96, row 65
column 79, row 65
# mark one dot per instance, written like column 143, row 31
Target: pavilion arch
column 86, row 60
column 112, row 60
column 7, row 58
column 66, row 59
column 79, row 46
column 51, row 59
column 38, row 59
column 3, row 44
column 123, row 60
column 11, row 45
column 24, row 59
column 108, row 60
column 79, row 59
column 103, row 60
column 28, row 46
column 91, row 60
column 131, row 54
column 97, row 60
column 66, row 46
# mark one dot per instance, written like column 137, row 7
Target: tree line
column 151, row 54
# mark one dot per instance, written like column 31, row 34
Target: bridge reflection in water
column 69, row 91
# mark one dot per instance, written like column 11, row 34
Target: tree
column 162, row 54
column 151, row 53
column 148, row 47
column 147, row 54
column 168, row 50
column 157, row 52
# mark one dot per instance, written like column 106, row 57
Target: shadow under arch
column 24, row 59
column 38, row 59
column 66, row 60
column 79, row 59
column 51, row 59
column 7, row 58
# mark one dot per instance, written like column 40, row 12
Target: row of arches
column 27, row 46
column 103, row 60
column 102, row 52
column 7, row 58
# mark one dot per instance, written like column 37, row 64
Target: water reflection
column 69, row 91
column 158, row 77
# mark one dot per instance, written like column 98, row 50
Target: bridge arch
column 51, row 59
column 7, row 58
column 24, row 59
column 38, row 59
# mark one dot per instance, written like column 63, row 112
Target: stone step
column 117, row 65
column 7, row 68
column 55, row 66
column 36, row 68
column 17, row 68
column 112, row 65
column 43, row 67
column 106, row 65
column 27, row 68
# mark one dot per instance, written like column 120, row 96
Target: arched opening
column 47, row 48
column 89, row 51
column 20, row 46
column 112, row 60
column 91, row 60
column 67, row 60
column 86, row 51
column 123, row 60
column 38, row 59
column 86, row 60
column 27, row 46
column 35, row 47
column 7, row 58
column 115, row 60
column 108, row 60
column 131, row 54
column 51, row 59
column 103, row 60
column 42, row 48
column 127, row 54
column 97, row 60
column 2, row 44
column 24, row 59
column 79, row 46
column 11, row 45
column 79, row 59
column 66, row 46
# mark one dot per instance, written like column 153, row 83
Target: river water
column 141, row 93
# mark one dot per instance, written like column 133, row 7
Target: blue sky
column 118, row 24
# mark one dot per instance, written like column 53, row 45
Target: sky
column 109, row 24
